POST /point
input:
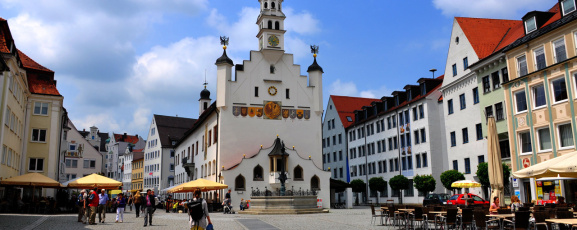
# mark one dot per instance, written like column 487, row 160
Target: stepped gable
column 346, row 106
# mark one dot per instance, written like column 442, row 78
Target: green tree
column 425, row 183
column 483, row 174
column 399, row 182
column 377, row 184
column 450, row 176
column 358, row 186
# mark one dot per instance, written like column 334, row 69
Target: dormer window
column 410, row 95
column 530, row 25
column 423, row 89
column 349, row 119
column 568, row 6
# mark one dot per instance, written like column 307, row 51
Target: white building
column 268, row 98
column 116, row 147
column 460, row 101
column 97, row 140
column 398, row 135
column 338, row 116
column 81, row 157
column 159, row 161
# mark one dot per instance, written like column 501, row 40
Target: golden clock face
column 273, row 40
column 272, row 110
column 272, row 90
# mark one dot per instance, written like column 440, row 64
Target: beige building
column 541, row 97
column 13, row 99
column 137, row 171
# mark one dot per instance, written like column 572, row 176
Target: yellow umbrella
column 95, row 180
column 202, row 184
column 32, row 179
column 466, row 184
column 495, row 164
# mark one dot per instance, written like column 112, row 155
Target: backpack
column 195, row 209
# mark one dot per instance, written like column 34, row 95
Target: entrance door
column 527, row 188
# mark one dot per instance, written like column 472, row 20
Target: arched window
column 195, row 173
column 202, row 171
column 205, row 170
column 214, row 167
column 272, row 5
column 298, row 173
column 205, row 105
column 239, row 183
column 270, row 25
column 257, row 173
column 265, row 5
column 209, row 168
column 276, row 25
column 315, row 183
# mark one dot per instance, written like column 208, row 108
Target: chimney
column 124, row 137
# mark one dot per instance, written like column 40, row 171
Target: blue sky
column 119, row 62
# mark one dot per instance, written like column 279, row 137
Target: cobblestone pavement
column 357, row 218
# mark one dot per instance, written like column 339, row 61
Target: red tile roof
column 27, row 62
column 557, row 16
column 138, row 150
column 346, row 107
column 486, row 35
column 4, row 26
column 129, row 138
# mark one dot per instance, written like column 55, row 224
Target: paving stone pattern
column 357, row 218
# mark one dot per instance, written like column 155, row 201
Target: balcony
column 273, row 179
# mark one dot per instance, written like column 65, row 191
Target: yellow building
column 14, row 96
column 137, row 171
column 541, row 96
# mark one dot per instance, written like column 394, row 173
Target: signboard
column 515, row 183
column 526, row 163
column 518, row 193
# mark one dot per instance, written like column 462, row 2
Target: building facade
column 97, row 140
column 137, row 172
column 116, row 146
column 81, row 158
column 541, row 97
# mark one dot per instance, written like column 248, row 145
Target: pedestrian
column 168, row 202
column 120, row 205
column 93, row 206
column 202, row 223
column 130, row 202
column 103, row 200
column 242, row 204
column 137, row 203
column 80, row 203
column 149, row 202
column 87, row 212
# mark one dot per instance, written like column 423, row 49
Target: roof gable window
column 530, row 25
column 568, row 6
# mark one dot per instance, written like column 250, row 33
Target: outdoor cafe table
column 562, row 221
column 407, row 210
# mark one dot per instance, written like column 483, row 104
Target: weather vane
column 314, row 50
column 224, row 41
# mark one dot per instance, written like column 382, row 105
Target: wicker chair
column 504, row 211
column 450, row 221
column 467, row 218
column 540, row 223
column 375, row 215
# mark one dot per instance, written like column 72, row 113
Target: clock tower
column 271, row 29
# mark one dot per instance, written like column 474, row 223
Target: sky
column 118, row 62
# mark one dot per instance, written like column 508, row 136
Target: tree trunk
column 400, row 196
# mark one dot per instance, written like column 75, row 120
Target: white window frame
column 519, row 65
column 519, row 135
column 527, row 31
column 555, row 50
column 542, row 49
column 538, row 137
column 562, row 77
column 515, row 100
column 41, row 105
column 36, row 167
column 535, row 99
column 38, row 141
column 559, row 136
column 563, row 7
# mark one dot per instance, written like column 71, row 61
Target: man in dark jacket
column 150, row 206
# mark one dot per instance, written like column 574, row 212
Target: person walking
column 103, row 200
column 150, row 204
column 137, row 202
column 94, row 201
column 130, row 201
column 168, row 203
column 80, row 204
column 120, row 205
column 86, row 218
column 202, row 223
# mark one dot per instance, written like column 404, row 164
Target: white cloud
column 303, row 23
column 340, row 88
column 509, row 9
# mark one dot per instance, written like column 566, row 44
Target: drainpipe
column 365, row 132
column 399, row 150
column 216, row 154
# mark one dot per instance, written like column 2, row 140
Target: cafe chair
column 540, row 223
column 450, row 221
column 375, row 215
column 504, row 211
column 521, row 221
column 417, row 217
column 482, row 223
column 467, row 218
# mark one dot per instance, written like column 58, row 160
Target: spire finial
column 224, row 41
column 205, row 83
column 314, row 50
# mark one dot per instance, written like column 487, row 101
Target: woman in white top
column 201, row 225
